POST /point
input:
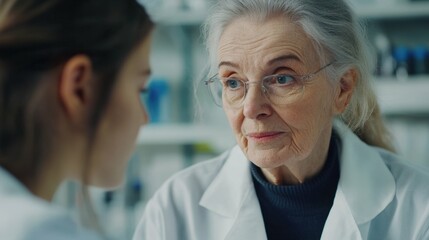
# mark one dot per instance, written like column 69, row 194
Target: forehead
column 140, row 55
column 143, row 48
column 246, row 38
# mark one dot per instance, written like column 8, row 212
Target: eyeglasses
column 280, row 89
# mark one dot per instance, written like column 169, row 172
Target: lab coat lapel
column 232, row 195
column 249, row 223
column 340, row 223
column 365, row 189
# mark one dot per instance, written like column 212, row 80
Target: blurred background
column 186, row 127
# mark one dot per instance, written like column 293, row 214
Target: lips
column 262, row 135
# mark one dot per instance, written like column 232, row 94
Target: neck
column 60, row 166
column 297, row 172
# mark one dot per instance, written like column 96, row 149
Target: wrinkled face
column 120, row 124
column 274, row 135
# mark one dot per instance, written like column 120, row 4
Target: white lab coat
column 378, row 197
column 24, row 216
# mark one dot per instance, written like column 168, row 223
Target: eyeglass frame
column 246, row 84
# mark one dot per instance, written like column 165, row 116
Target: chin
column 271, row 157
column 267, row 162
column 107, row 182
column 108, row 172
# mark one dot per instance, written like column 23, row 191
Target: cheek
column 296, row 117
column 235, row 119
column 125, row 116
column 116, row 137
column 307, row 118
column 129, row 116
column 316, row 107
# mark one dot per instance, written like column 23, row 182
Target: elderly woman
column 313, row 159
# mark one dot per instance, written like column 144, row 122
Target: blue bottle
column 158, row 100
column 400, row 54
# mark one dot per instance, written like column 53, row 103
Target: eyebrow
column 283, row 58
column 226, row 63
column 272, row 61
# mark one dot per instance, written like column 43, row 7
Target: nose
column 255, row 103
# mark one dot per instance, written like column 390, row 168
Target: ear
column 345, row 91
column 75, row 87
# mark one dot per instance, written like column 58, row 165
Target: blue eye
column 233, row 83
column 283, row 79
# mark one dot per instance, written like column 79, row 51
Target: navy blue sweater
column 298, row 211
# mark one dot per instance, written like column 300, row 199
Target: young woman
column 71, row 74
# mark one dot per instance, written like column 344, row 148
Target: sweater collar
column 311, row 197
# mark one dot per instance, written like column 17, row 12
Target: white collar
column 228, row 190
column 9, row 183
column 365, row 180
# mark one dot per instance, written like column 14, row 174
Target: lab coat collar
column 9, row 184
column 232, row 195
column 229, row 188
column 365, row 182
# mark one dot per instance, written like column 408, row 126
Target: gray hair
column 337, row 36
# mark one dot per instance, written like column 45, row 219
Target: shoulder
column 27, row 217
column 409, row 176
column 412, row 192
column 59, row 227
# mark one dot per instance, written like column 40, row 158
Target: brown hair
column 37, row 37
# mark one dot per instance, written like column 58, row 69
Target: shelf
column 371, row 11
column 408, row 97
column 179, row 134
column 378, row 11
column 181, row 17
